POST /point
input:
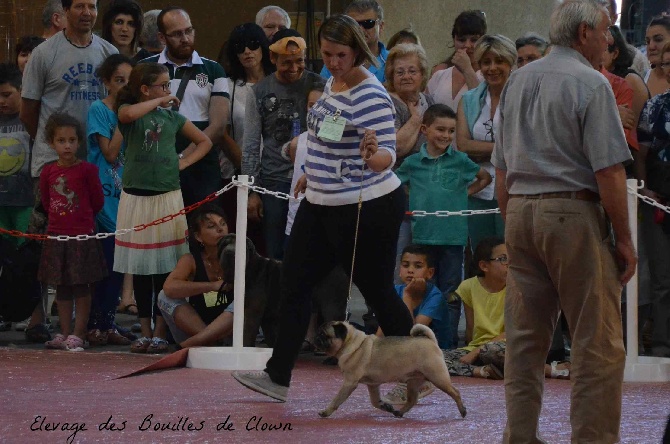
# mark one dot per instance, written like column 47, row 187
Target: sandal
column 560, row 374
column 140, row 345
column 130, row 309
column 96, row 338
column 490, row 371
column 57, row 343
column 38, row 333
column 74, row 344
column 116, row 338
column 158, row 345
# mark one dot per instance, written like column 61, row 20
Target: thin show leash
column 358, row 219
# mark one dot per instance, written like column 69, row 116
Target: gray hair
column 531, row 38
column 365, row 5
column 497, row 44
column 50, row 8
column 403, row 50
column 149, row 33
column 567, row 17
column 260, row 16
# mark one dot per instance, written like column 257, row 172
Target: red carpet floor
column 78, row 392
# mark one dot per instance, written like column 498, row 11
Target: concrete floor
column 81, row 390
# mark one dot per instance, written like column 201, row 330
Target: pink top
column 71, row 196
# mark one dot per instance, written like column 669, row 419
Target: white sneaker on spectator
column 21, row 326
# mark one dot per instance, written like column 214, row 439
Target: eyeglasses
column 367, row 24
column 410, row 72
column 664, row 65
column 164, row 86
column 240, row 47
column 188, row 32
column 523, row 60
column 502, row 259
column 488, row 126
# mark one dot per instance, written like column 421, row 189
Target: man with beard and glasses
column 204, row 101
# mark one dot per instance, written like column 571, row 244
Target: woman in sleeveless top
column 195, row 302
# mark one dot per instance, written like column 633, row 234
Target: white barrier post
column 236, row 357
column 638, row 368
column 240, row 262
column 632, row 286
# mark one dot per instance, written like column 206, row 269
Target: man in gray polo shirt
column 559, row 160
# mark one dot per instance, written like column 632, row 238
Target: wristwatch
column 181, row 155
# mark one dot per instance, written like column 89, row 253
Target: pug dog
column 371, row 360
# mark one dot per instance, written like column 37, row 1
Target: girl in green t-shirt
column 151, row 191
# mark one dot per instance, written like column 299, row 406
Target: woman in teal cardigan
column 478, row 120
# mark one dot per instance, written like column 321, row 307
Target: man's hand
column 255, row 207
column 626, row 260
column 627, row 117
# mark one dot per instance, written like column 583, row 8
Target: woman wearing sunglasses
column 248, row 60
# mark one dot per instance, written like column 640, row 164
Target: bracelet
column 181, row 155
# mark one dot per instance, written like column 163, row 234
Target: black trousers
column 322, row 237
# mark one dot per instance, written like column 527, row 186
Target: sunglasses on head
column 367, row 24
column 253, row 45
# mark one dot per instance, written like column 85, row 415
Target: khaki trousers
column 561, row 258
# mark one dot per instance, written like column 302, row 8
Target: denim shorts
column 167, row 306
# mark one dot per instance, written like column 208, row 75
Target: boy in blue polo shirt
column 442, row 178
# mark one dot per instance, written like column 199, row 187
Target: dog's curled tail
column 422, row 330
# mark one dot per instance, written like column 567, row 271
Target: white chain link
column 445, row 213
column 261, row 190
column 284, row 196
column 124, row 231
column 648, row 200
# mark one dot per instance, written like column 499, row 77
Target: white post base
column 647, row 369
column 228, row 358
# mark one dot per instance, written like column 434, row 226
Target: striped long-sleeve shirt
column 335, row 168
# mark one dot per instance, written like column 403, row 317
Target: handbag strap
column 187, row 75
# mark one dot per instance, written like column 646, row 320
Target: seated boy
column 423, row 299
column 425, row 303
column 442, row 178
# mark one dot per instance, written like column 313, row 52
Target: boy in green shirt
column 441, row 178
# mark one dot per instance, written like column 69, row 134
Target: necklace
column 211, row 269
column 75, row 45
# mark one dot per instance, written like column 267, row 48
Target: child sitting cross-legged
column 484, row 303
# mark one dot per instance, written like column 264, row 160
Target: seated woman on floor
column 194, row 308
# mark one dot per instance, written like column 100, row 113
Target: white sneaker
column 21, row 326
column 260, row 382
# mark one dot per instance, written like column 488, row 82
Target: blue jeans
column 448, row 276
column 275, row 212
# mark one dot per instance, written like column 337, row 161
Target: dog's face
column 226, row 250
column 331, row 336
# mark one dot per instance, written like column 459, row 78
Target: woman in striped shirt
column 350, row 152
